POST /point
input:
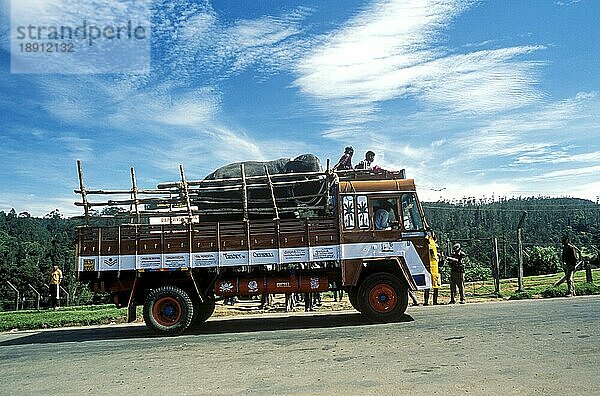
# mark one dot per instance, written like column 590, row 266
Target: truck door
column 413, row 229
column 367, row 220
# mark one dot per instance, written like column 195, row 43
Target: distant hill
column 547, row 219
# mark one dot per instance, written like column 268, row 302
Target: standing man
column 457, row 274
column 435, row 260
column 55, row 278
column 569, row 260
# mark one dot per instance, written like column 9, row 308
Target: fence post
column 588, row 272
column 38, row 295
column 588, row 269
column 18, row 295
column 496, row 266
column 66, row 293
column 520, row 249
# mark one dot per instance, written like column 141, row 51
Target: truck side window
column 363, row 212
column 384, row 214
column 411, row 218
column 348, row 208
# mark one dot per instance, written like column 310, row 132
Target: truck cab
column 383, row 230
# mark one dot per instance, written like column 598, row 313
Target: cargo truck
column 188, row 244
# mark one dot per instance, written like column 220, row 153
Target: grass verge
column 62, row 317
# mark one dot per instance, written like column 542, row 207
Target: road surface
column 527, row 347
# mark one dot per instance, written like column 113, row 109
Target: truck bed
column 206, row 245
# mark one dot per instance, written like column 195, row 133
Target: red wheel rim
column 383, row 298
column 167, row 311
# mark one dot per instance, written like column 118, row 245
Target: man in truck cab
column 385, row 216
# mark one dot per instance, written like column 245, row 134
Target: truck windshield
column 411, row 218
column 384, row 214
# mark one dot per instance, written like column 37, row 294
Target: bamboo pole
column 122, row 192
column 215, row 200
column 83, row 192
column 256, row 185
column 125, row 202
column 177, row 213
column 134, row 191
column 244, row 192
column 186, row 193
column 272, row 193
column 239, row 179
column 328, row 187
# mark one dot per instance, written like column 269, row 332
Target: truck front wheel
column 383, row 297
column 168, row 310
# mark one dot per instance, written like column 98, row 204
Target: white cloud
column 534, row 134
column 165, row 106
column 206, row 44
column 559, row 157
column 391, row 50
column 216, row 145
column 480, row 82
column 77, row 147
column 569, row 173
column 567, row 3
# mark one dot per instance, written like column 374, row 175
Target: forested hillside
column 29, row 246
column 473, row 223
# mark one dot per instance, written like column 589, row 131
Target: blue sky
column 475, row 97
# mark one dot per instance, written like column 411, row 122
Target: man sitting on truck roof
column 367, row 163
column 345, row 162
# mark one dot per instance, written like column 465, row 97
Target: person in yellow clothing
column 436, row 279
column 55, row 278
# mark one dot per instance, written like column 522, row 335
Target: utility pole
column 520, row 249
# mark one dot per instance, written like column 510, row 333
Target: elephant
column 259, row 199
column 302, row 163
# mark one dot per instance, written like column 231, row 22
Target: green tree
column 542, row 260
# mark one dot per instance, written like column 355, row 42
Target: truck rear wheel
column 353, row 297
column 383, row 297
column 203, row 311
column 168, row 310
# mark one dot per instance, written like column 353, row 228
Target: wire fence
column 13, row 298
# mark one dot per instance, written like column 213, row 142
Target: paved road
column 521, row 347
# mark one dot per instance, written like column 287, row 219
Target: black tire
column 168, row 310
column 202, row 311
column 383, row 297
column 353, row 297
